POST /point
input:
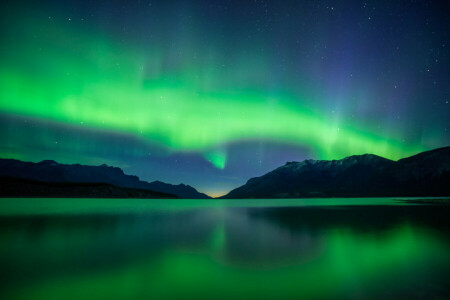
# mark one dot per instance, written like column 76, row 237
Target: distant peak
column 364, row 157
column 443, row 151
column 306, row 161
column 360, row 158
column 48, row 162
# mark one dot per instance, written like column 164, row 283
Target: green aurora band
column 80, row 79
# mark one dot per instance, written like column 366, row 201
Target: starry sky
column 211, row 93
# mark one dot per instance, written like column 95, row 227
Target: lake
column 377, row 248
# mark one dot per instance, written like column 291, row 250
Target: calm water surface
column 223, row 249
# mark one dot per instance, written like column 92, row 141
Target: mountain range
column 49, row 171
column 20, row 187
column 368, row 175
column 424, row 174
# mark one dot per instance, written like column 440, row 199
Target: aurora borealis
column 211, row 93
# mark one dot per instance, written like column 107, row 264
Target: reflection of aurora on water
column 239, row 252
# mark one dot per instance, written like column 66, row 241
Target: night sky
column 211, row 93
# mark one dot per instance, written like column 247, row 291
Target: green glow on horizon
column 78, row 79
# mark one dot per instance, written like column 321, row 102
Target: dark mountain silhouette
column 424, row 174
column 51, row 171
column 20, row 187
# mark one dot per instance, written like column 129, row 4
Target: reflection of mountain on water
column 262, row 242
column 335, row 241
column 370, row 219
column 92, row 241
column 274, row 236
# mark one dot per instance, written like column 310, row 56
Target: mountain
column 20, row 187
column 424, row 174
column 51, row 171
